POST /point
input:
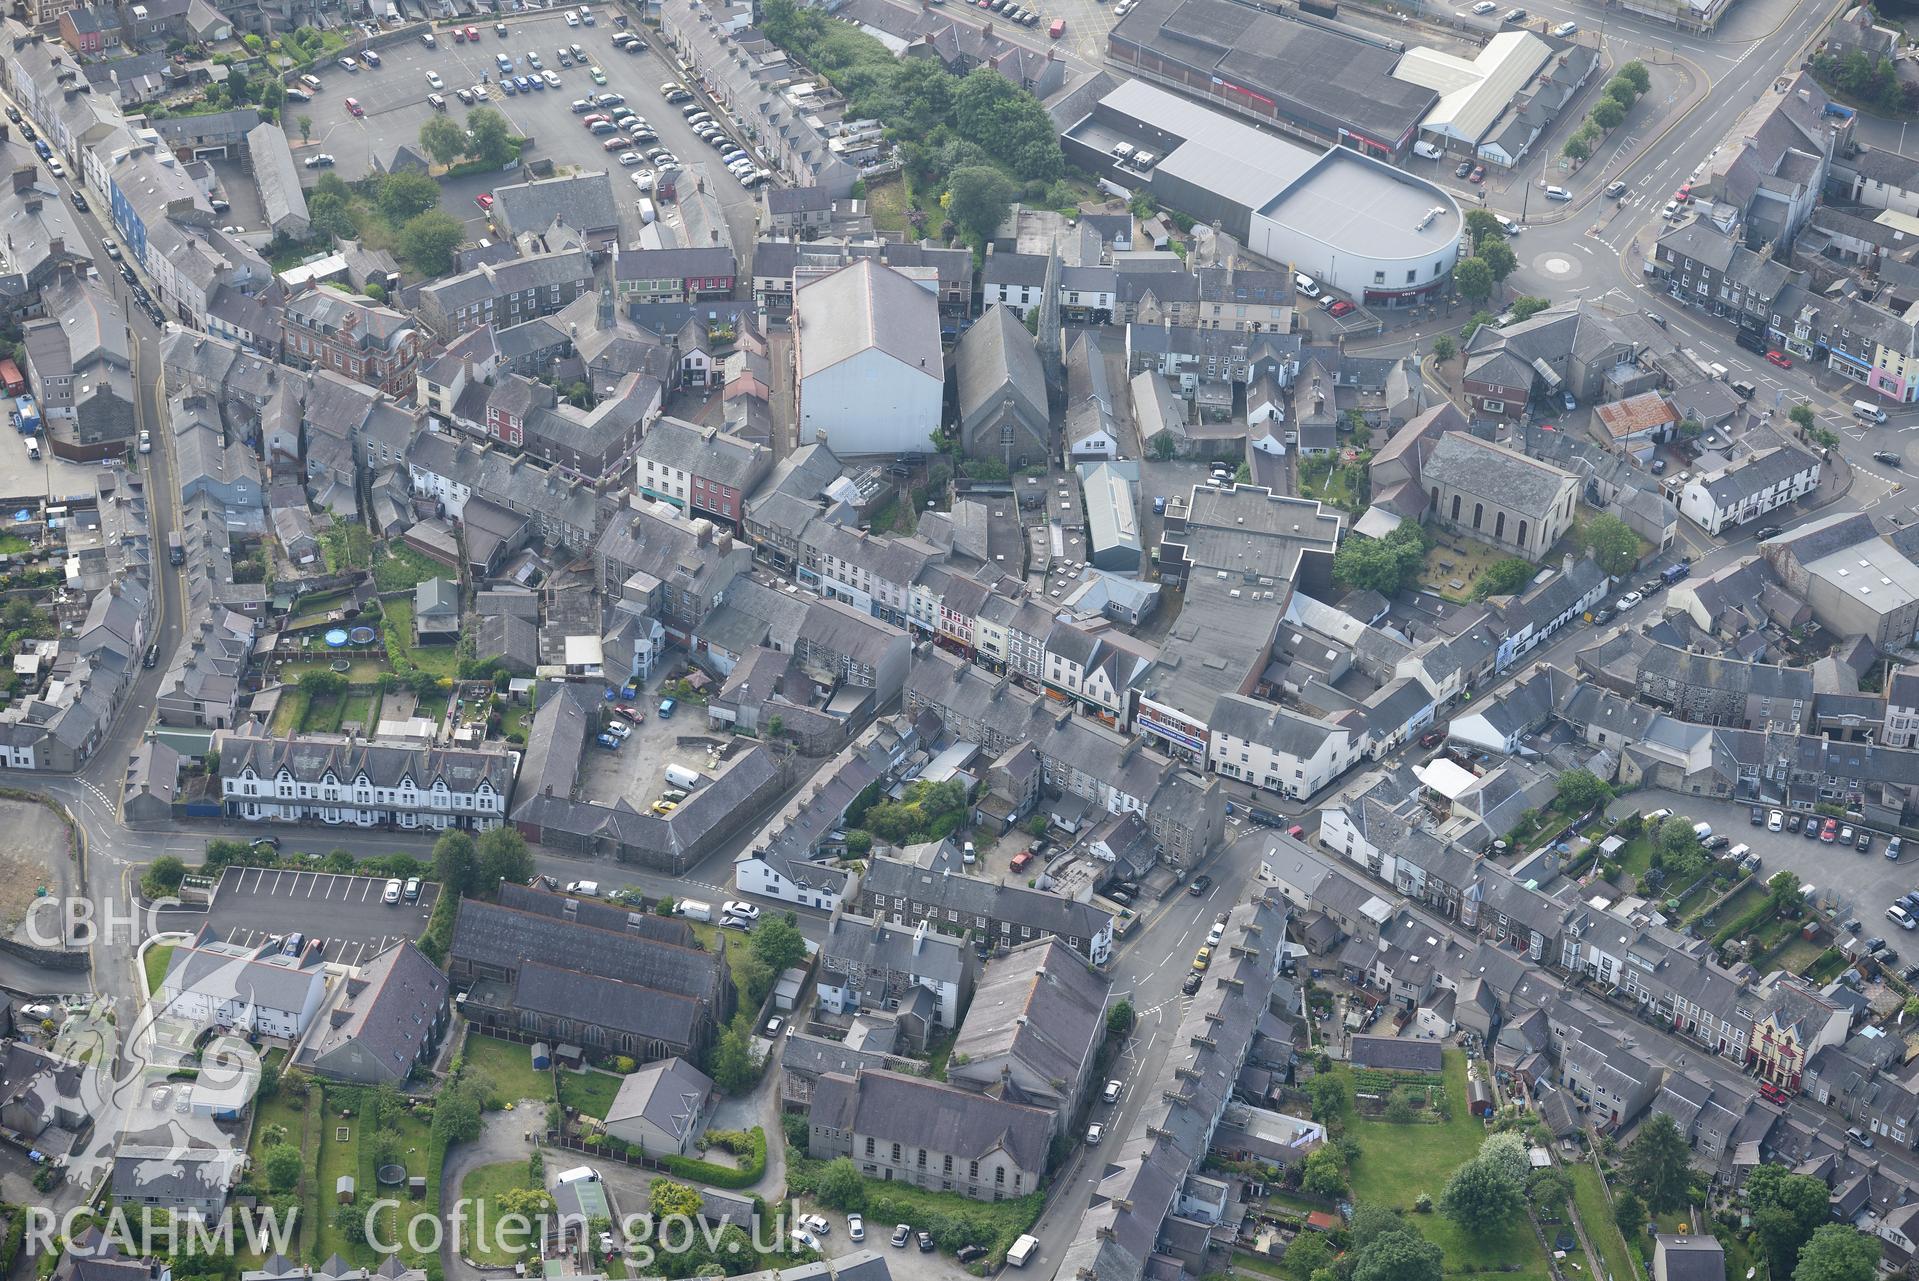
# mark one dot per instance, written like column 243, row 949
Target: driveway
column 502, row 1138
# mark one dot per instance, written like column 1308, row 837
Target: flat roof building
column 1316, row 80
column 1357, row 224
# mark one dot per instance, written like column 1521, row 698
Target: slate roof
column 669, row 1094
column 626, row 1007
column 995, row 355
column 582, row 201
column 918, row 1113
column 1041, row 1006
column 866, row 305
column 1462, row 461
column 498, row 937
column 309, row 760
column 968, row 894
column 390, row 1009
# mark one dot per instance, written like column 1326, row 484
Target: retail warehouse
column 1369, row 230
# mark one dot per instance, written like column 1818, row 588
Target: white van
column 1023, row 1250
column 1702, row 830
column 1866, row 411
column 33, row 446
column 586, row 889
column 1738, row 852
column 575, row 1175
column 1306, row 285
column 1427, row 149
column 1507, row 225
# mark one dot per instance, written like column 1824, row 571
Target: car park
column 392, row 892
column 369, row 57
column 1794, row 820
column 508, row 88
column 1341, row 308
column 533, row 60
column 1758, row 815
column 1845, row 833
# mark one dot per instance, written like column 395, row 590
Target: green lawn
column 290, row 713
column 1635, row 857
column 1398, row 1162
column 362, row 706
column 438, row 659
column 397, row 566
column 517, row 716
column 363, row 671
column 336, row 1159
column 482, row 1185
column 157, row 959
column 509, row 1067
column 1595, row 1214
column 590, row 1091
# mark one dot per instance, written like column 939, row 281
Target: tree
column 1326, row 1095
column 1786, row 1208
column 732, row 1061
column 1444, row 348
column 1400, row 1108
column 163, row 876
column 1473, row 326
column 403, row 195
column 1473, row 278
column 669, row 1198
column 1838, row 1252
column 1482, row 227
column 454, row 863
column 1635, row 74
column 1677, row 837
column 1658, row 1164
column 492, row 142
column 1384, row 564
column 429, row 240
column 1629, row 1212
column 456, row 1113
column 778, row 943
column 841, row 1186
column 1498, row 256
column 282, row 1165
column 1503, row 578
column 1308, row 1254
column 329, row 213
column 977, row 199
column 1782, row 891
column 1119, row 1019
column 1526, row 306
column 1009, row 124
column 1621, row 90
column 1324, row 1175
column 501, row 855
column 1371, row 1221
column 1581, row 791
column 1488, row 1190
column 1402, row 1255
column 306, row 128
column 1613, row 544
column 350, row 1219
column 531, row 1203
column 1609, row 114
column 1577, row 148
column 1549, row 1190
column 319, row 685
column 442, row 139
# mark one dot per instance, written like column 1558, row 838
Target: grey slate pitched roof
column 918, row 1113
column 1464, row 462
column 504, row 937
column 627, row 1007
column 994, row 356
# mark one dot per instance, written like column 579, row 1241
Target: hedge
column 723, row 1176
column 1746, row 922
column 955, row 1220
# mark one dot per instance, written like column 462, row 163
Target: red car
column 353, row 107
column 1477, row 175
column 1779, row 358
column 1773, row 1094
column 1341, row 308
column 484, row 200
column 472, row 33
column 1683, row 194
column 1830, row 832
column 1297, row 832
column 629, row 711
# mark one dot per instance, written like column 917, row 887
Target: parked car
column 1864, row 843
column 1845, row 833
column 1775, row 821
column 1758, row 816
column 1893, row 848
column 1342, row 308
column 1191, row 985
column 925, row 1240
column 1200, row 885
column 392, row 892
column 1779, row 358
column 902, row 1233
column 856, row 1227
column 1111, row 1093
column 1830, row 831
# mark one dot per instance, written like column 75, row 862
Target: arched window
column 1522, row 533
column 1435, row 498
column 1499, row 525
column 1479, row 514
column 1455, row 506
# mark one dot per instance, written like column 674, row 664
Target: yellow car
column 665, row 807
column 1203, row 958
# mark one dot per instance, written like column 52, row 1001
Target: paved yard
column 637, row 769
column 1862, row 884
column 254, row 905
column 394, row 98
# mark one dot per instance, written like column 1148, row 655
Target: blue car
column 526, row 86
column 40, row 145
column 609, row 742
column 506, row 87
column 666, row 707
column 537, row 82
